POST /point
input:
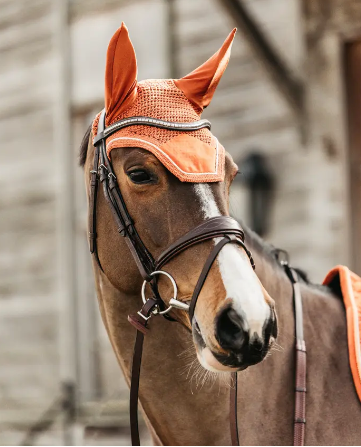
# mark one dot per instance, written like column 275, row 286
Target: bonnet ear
column 200, row 85
column 120, row 74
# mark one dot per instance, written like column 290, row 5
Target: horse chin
column 209, row 362
column 206, row 357
column 220, row 362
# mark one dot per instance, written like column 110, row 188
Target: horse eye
column 139, row 176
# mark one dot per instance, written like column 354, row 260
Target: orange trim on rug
column 350, row 284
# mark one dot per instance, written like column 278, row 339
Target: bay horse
column 183, row 395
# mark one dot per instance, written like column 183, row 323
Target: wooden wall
column 28, row 319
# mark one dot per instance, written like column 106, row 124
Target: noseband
column 223, row 227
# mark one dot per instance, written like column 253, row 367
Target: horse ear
column 200, row 85
column 120, row 74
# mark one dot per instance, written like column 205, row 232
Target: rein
column 224, row 227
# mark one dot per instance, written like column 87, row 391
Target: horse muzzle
column 237, row 348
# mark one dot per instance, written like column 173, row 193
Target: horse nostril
column 229, row 330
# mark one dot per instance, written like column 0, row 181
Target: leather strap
column 92, row 202
column 233, row 423
column 214, row 227
column 299, row 423
column 134, row 388
column 125, row 225
column 206, row 268
column 92, row 225
column 142, row 319
column 300, row 395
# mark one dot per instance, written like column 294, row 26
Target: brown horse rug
column 349, row 285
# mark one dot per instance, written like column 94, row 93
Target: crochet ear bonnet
column 191, row 155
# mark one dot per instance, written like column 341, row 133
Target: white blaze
column 238, row 278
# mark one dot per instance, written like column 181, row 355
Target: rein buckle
column 140, row 319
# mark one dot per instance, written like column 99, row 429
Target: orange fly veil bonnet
column 191, row 155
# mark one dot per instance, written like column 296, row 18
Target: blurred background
column 288, row 109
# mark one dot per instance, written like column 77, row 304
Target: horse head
column 171, row 181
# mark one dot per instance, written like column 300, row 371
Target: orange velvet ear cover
column 200, row 85
column 120, row 74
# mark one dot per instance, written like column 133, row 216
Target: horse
column 184, row 388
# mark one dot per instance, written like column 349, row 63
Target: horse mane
column 269, row 251
column 83, row 150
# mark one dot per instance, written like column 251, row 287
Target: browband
column 153, row 122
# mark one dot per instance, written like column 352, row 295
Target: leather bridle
column 225, row 228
